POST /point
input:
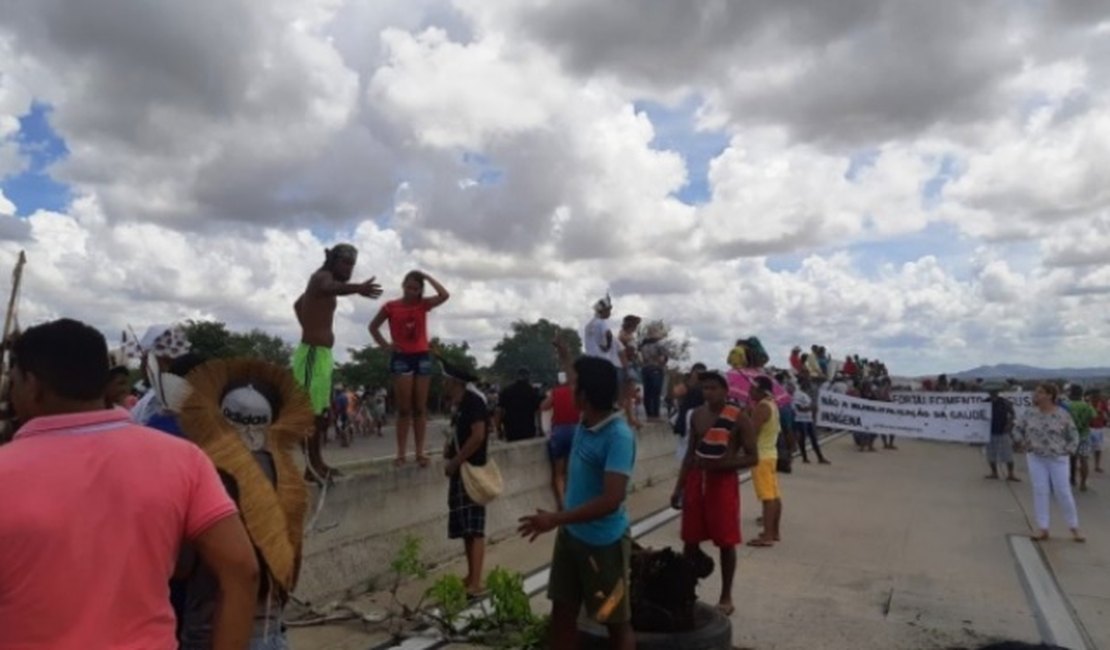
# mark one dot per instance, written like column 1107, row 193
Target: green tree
column 529, row 346
column 212, row 340
column 208, row 338
column 678, row 349
column 257, row 343
column 369, row 367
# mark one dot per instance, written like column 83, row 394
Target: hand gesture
column 370, row 289
column 535, row 525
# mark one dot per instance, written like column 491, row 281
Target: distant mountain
column 1018, row 371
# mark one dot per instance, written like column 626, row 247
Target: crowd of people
column 197, row 479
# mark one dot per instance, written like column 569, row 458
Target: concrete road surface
column 895, row 549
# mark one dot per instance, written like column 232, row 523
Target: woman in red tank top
column 410, row 361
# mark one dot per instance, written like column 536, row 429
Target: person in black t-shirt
column 518, row 409
column 466, row 519
column 1000, row 449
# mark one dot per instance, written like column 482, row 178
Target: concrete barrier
column 369, row 512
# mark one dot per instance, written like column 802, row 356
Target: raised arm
column 441, row 293
column 324, row 283
column 566, row 363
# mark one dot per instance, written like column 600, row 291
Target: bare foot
column 1077, row 537
column 1043, row 537
column 761, row 542
column 423, row 460
column 399, row 461
column 992, row 477
column 824, row 462
column 1013, row 479
column 725, row 607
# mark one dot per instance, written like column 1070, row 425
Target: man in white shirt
column 598, row 339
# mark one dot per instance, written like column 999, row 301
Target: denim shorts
column 419, row 364
column 558, row 445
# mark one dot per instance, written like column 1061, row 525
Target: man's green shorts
column 312, row 366
column 596, row 576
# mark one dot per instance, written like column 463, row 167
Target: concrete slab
column 895, row 549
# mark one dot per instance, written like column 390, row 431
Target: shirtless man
column 312, row 360
column 708, row 488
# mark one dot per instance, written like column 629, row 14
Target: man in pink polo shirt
column 98, row 508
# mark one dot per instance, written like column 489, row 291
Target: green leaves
column 213, row 340
column 529, row 346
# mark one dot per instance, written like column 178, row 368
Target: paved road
column 895, row 549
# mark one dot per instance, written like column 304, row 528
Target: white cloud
column 217, row 147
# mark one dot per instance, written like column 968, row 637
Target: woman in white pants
column 1048, row 435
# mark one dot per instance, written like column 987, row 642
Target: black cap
column 455, row 372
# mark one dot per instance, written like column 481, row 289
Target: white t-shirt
column 802, row 401
column 594, row 340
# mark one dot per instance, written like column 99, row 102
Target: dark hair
column 417, row 276
column 764, row 384
column 698, row 367
column 1075, row 392
column 119, row 371
column 714, row 376
column 337, row 252
column 597, row 382
column 70, row 357
column 184, row 364
column 1052, row 389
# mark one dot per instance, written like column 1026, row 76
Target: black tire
column 712, row 631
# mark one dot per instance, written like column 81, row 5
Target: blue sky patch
column 860, row 161
column 676, row 130
column 34, row 189
column 932, row 191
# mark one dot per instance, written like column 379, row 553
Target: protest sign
column 955, row 417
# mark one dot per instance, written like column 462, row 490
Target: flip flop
column 1079, row 539
column 423, row 461
column 761, row 543
column 398, row 462
column 1043, row 537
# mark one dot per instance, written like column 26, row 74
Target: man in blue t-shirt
column 592, row 551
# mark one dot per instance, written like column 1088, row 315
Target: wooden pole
column 17, row 278
column 7, row 415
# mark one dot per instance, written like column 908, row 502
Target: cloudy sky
column 926, row 183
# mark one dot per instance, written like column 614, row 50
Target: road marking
column 1056, row 620
column 536, row 582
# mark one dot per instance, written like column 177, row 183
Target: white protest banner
column 958, row 417
column 1020, row 400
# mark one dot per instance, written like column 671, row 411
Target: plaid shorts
column 465, row 518
column 1000, row 449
